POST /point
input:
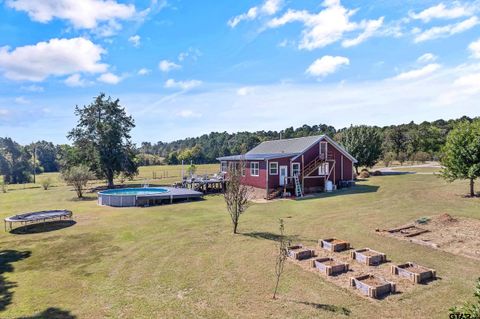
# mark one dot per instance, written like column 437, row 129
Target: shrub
column 78, row 177
column 421, row 157
column 377, row 173
column 3, row 186
column 364, row 174
column 46, row 183
column 468, row 309
column 388, row 158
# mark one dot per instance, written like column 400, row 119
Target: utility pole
column 34, row 162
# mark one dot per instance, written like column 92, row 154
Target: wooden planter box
column 329, row 266
column 334, row 244
column 299, row 253
column 372, row 286
column 414, row 272
column 368, row 256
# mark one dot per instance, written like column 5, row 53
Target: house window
column 295, row 169
column 273, row 168
column 254, row 171
column 323, row 150
column 223, row 167
column 323, row 169
column 242, row 169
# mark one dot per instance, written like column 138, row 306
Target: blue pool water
column 134, row 191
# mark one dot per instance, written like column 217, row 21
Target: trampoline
column 37, row 217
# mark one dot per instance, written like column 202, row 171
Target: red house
column 296, row 166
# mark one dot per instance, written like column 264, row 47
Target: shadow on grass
column 52, row 313
column 325, row 307
column 270, row 236
column 84, row 199
column 357, row 189
column 43, row 227
column 7, row 257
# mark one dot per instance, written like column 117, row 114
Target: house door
column 283, row 175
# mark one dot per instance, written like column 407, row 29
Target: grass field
column 181, row 261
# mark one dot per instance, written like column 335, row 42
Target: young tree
column 388, row 158
column 468, row 310
column 102, row 136
column 461, row 154
column 236, row 194
column 46, row 182
column 364, row 143
column 78, row 177
column 282, row 254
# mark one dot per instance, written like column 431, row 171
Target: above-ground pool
column 145, row 196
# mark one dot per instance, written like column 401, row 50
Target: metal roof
column 284, row 148
column 287, row 146
column 254, row 157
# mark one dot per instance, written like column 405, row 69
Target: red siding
column 334, row 156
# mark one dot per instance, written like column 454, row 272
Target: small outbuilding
column 294, row 166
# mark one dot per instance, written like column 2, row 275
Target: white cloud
column 418, row 73
column 426, row 58
column 32, row 88
column 470, row 83
column 188, row 114
column 167, row 66
column 110, row 78
column 327, row 65
column 75, row 80
column 135, row 40
column 446, row 30
column 370, row 28
column 192, row 53
column 22, row 100
column 327, row 26
column 84, row 14
column 441, row 11
column 268, row 8
column 57, row 57
column 475, row 49
column 183, row 85
column 246, row 90
column 143, row 71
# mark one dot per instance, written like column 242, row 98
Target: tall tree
column 15, row 162
column 364, row 143
column 461, row 154
column 102, row 136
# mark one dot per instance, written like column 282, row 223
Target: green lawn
column 181, row 261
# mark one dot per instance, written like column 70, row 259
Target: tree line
column 412, row 141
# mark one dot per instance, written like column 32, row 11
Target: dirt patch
column 373, row 281
column 456, row 235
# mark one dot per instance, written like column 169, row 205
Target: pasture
column 181, row 260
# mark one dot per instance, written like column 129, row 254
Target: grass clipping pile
column 459, row 235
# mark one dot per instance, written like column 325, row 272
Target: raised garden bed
column 368, row 256
column 414, row 272
column 408, row 231
column 329, row 266
column 334, row 244
column 299, row 252
column 372, row 286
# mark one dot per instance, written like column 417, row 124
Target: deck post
column 268, row 174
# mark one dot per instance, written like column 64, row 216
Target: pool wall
column 117, row 201
column 169, row 195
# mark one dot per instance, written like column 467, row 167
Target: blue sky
column 185, row 68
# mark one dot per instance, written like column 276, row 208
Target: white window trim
column 251, row 169
column 270, row 168
column 326, row 148
column 325, row 165
column 222, row 165
column 295, row 164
